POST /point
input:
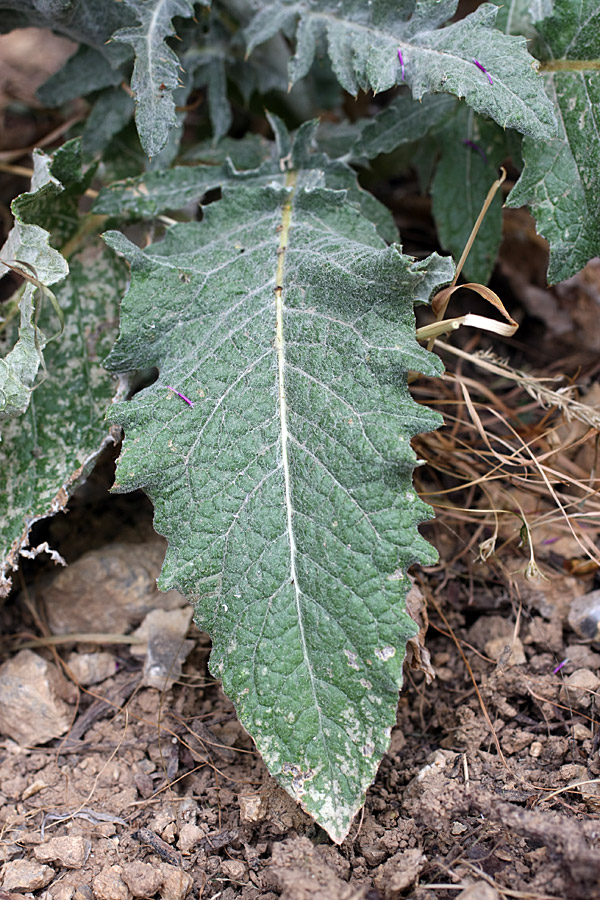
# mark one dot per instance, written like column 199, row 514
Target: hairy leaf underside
column 286, row 491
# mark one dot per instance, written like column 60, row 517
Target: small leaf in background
column 49, row 450
column 156, row 71
column 561, row 178
column 286, row 490
column 402, row 122
column 363, row 45
column 471, row 150
column 461, row 152
column 517, row 17
column 111, row 112
column 86, row 71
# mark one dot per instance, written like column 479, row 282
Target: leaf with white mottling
column 28, row 249
column 47, row 452
column 154, row 192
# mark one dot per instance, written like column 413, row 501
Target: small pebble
column 70, row 852
column 189, row 836
column 176, row 883
column 108, row 885
column 32, row 711
column 584, row 615
column 235, row 870
column 252, row 808
column 579, row 688
column 26, row 875
column 143, row 879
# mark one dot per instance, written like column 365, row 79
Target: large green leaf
column 561, row 178
column 156, row 71
column 363, row 42
column 47, row 452
column 285, row 490
column 154, row 192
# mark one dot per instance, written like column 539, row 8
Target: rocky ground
column 124, row 772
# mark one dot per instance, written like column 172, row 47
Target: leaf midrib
column 286, row 221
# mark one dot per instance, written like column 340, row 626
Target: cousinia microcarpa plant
column 275, row 441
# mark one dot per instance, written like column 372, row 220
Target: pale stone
column 70, row 852
column 190, row 836
column 584, row 615
column 31, row 710
column 142, row 879
column 235, row 870
column 92, row 668
column 176, row 883
column 34, row 788
column 108, row 589
column 495, row 648
column 399, row 873
column 62, row 891
column 579, row 688
column 26, row 875
column 108, row 884
column 252, row 808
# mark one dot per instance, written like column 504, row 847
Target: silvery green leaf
column 285, row 491
column 154, row 192
column 363, row 43
column 561, row 178
column 156, row 71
